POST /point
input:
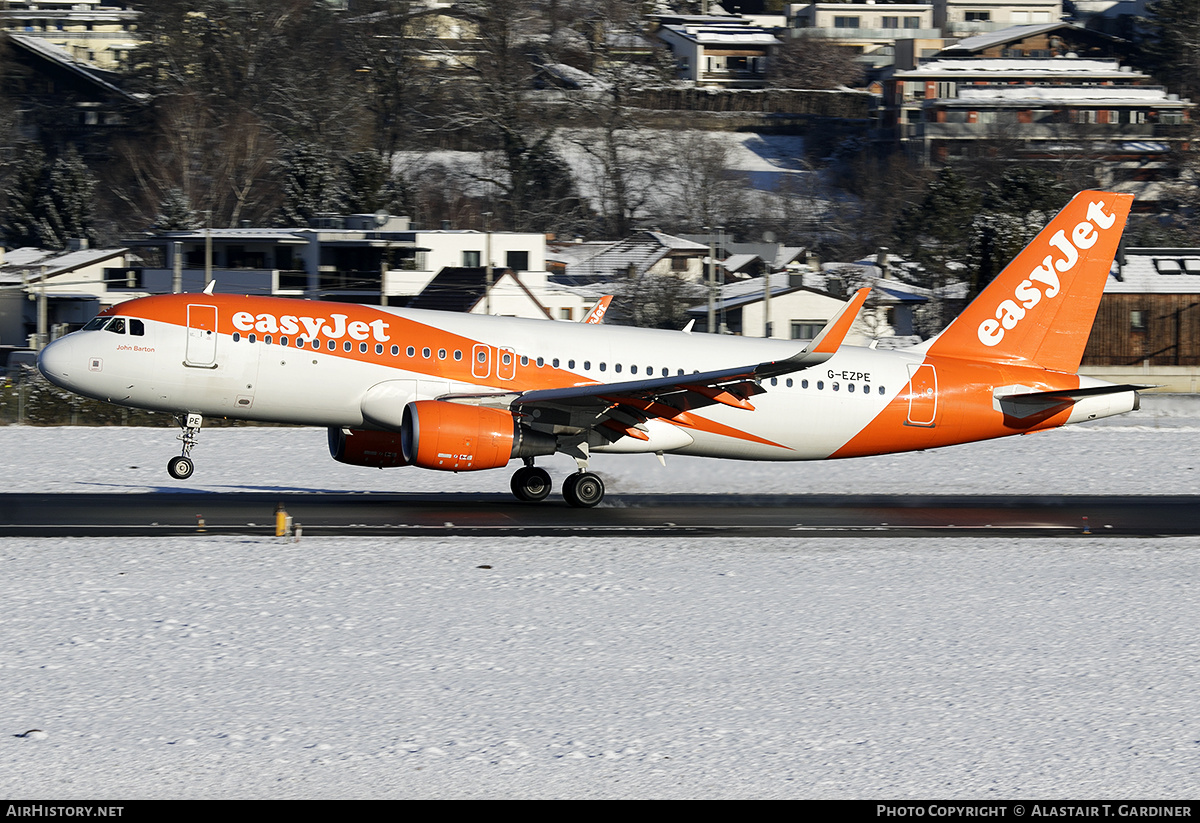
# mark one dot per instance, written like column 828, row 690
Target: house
column 791, row 306
column 99, row 34
column 1147, row 328
column 964, row 18
column 360, row 258
column 795, row 304
column 1038, row 108
column 513, row 294
column 58, row 93
column 72, row 285
column 720, row 51
column 869, row 28
column 1057, row 39
column 1150, row 311
column 642, row 253
column 337, row 257
column 788, row 309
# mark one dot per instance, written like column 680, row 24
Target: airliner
column 458, row 392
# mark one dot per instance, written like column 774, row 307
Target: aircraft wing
column 617, row 409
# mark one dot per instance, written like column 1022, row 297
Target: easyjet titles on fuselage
column 312, row 326
column 1010, row 312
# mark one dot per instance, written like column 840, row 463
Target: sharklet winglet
column 824, row 345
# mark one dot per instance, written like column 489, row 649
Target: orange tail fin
column 1040, row 309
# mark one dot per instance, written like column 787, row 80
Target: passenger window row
column 427, row 353
column 833, row 385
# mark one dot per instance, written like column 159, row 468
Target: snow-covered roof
column 78, row 259
column 674, row 243
column 710, row 34
column 245, row 235
column 25, row 256
column 576, row 78
column 989, row 39
column 1018, row 67
column 39, row 260
column 736, row 261
column 574, row 253
column 64, row 58
column 640, row 250
column 1156, row 271
column 1092, row 95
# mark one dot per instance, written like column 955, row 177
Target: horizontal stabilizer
column 1027, row 404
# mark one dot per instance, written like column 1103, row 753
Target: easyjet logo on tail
column 334, row 327
column 1043, row 280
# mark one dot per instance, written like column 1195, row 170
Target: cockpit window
column 137, row 328
column 95, row 323
column 116, row 325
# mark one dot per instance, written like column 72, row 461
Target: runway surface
column 673, row 515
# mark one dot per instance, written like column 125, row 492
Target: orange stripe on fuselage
column 381, row 327
column 399, row 330
column 965, row 409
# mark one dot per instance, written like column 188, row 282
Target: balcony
column 239, row 281
column 739, row 77
column 1043, row 131
column 859, row 35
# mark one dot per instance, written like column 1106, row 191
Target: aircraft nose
column 56, row 363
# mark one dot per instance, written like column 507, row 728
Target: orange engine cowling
column 360, row 447
column 457, row 438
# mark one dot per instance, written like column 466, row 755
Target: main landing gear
column 181, row 466
column 530, row 484
column 583, row 490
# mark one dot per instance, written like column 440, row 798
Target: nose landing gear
column 181, row 466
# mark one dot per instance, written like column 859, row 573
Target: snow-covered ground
column 458, row 667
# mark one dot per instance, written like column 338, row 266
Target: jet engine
column 360, row 447
column 456, row 437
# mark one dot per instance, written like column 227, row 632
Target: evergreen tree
column 65, row 208
column 1170, row 45
column 935, row 233
column 371, row 185
column 311, row 184
column 23, row 188
column 176, row 213
column 1013, row 209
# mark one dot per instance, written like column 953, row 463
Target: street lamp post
column 487, row 244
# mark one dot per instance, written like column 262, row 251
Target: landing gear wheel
column 583, row 490
column 530, row 484
column 180, row 467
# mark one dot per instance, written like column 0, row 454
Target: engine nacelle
column 360, row 447
column 455, row 437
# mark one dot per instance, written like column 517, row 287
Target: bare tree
column 220, row 165
column 398, row 70
column 813, row 62
column 614, row 136
column 535, row 186
column 703, row 189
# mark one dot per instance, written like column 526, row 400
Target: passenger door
column 201, row 349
